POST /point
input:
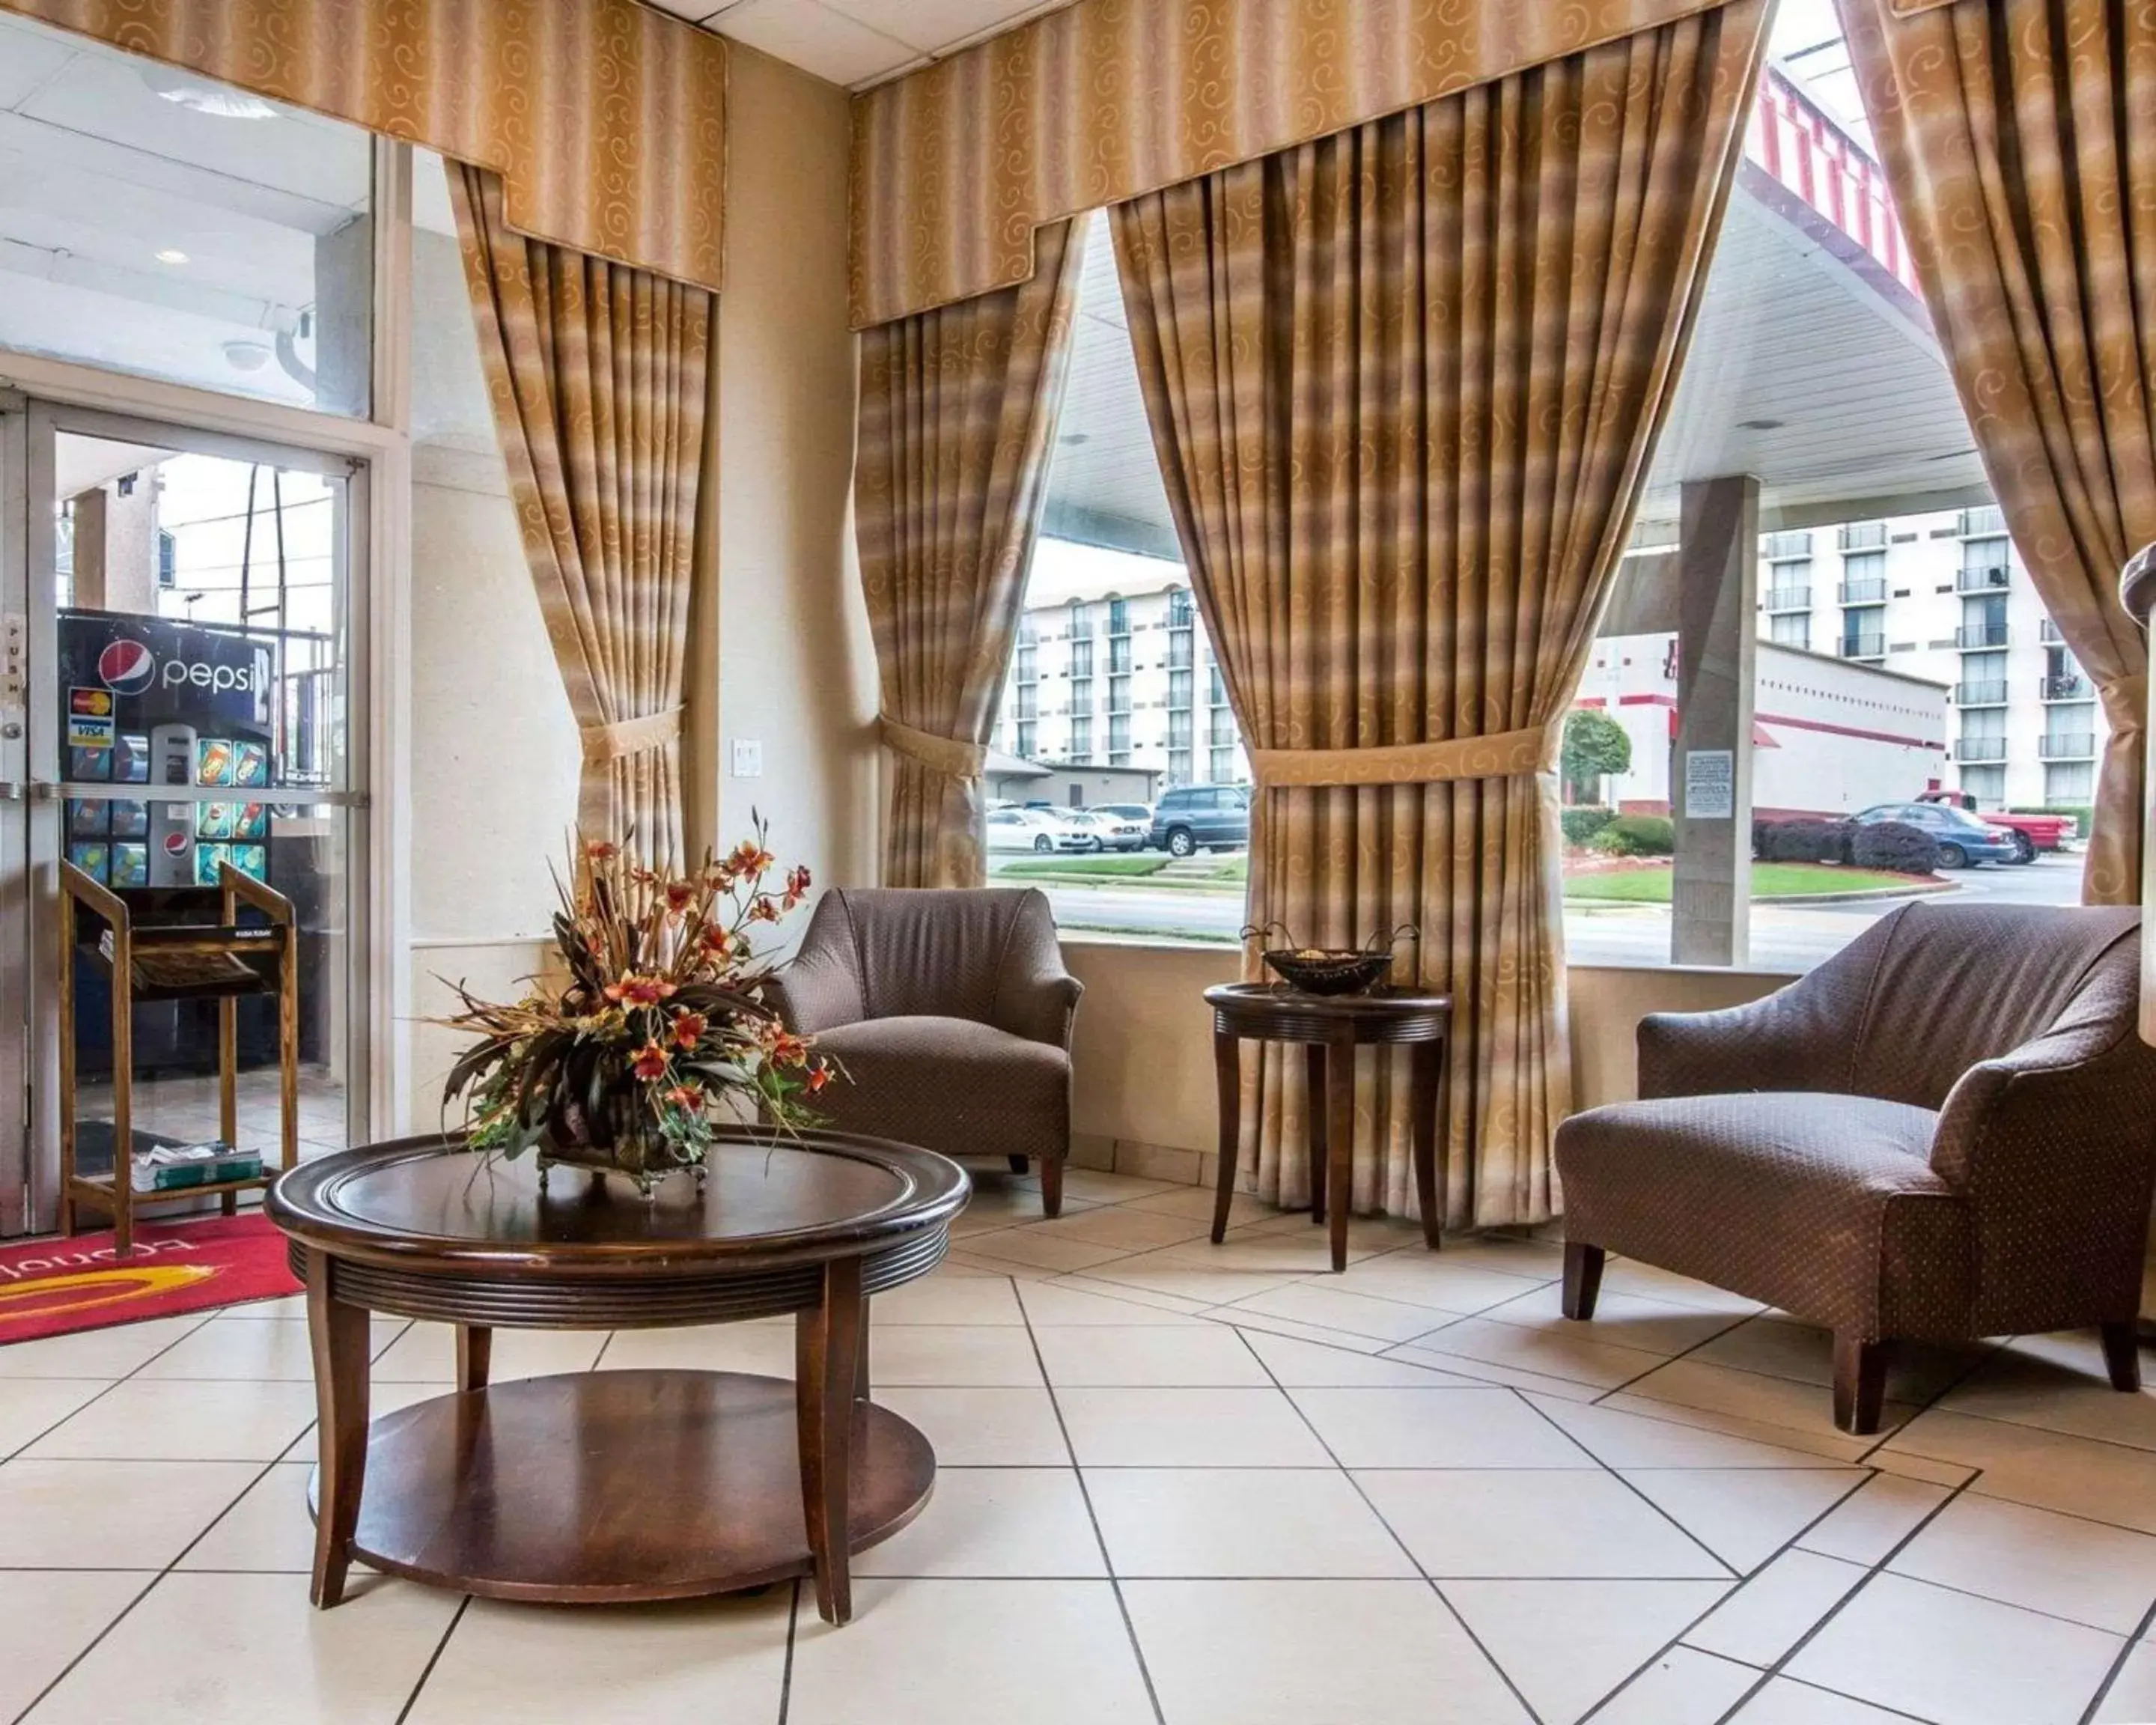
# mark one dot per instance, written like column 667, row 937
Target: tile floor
column 1181, row 1485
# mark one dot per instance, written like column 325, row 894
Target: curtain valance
column 957, row 165
column 606, row 120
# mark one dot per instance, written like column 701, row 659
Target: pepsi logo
column 176, row 844
column 126, row 667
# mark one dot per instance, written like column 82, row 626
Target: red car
column 2032, row 833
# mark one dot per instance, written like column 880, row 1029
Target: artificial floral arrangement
column 662, row 1033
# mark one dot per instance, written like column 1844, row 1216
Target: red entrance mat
column 55, row 1287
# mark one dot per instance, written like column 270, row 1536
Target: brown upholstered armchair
column 1947, row 1130
column 951, row 1011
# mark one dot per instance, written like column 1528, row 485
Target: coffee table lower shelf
column 607, row 1487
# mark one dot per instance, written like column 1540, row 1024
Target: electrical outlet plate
column 748, row 759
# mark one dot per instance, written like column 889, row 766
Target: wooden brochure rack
column 168, row 959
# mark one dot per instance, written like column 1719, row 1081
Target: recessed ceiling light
column 200, row 95
column 1074, row 439
column 172, row 254
column 246, row 355
column 1760, row 424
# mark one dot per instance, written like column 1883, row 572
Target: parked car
column 1041, row 831
column 2033, row 832
column 1112, row 832
column 1193, row 817
column 1142, row 812
column 1962, row 838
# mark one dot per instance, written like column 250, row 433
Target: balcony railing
column 1785, row 547
column 1982, row 523
column 2067, row 746
column 1864, row 535
column 1869, row 590
column 2048, row 632
column 1972, row 635
column 1992, row 578
column 1980, row 748
column 1979, row 694
column 1861, row 646
column 1790, row 598
column 2072, row 688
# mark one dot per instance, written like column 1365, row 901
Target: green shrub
column 1802, row 839
column 1894, row 846
column 1583, row 823
column 2082, row 815
column 1635, row 835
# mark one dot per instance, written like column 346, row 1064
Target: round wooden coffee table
column 604, row 1486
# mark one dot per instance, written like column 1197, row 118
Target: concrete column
column 1711, row 770
column 115, row 546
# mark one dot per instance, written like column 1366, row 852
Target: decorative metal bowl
column 1327, row 970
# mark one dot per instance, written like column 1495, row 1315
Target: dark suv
column 1192, row 817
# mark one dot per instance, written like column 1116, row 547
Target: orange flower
column 819, row 1077
column 651, row 1063
column 680, row 895
column 764, row 909
column 785, row 1048
column 685, row 1095
column 598, row 850
column 689, row 1028
column 635, row 990
column 797, row 886
column 750, row 858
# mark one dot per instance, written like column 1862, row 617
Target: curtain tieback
column 946, row 755
column 606, row 742
column 1503, row 754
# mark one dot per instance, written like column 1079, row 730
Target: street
column 1783, row 936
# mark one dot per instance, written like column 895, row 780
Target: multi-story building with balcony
column 1943, row 596
column 1112, row 669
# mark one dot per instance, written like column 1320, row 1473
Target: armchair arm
column 1035, row 996
column 820, row 988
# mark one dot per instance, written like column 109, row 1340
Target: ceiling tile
column 937, row 26
column 815, row 38
column 695, row 11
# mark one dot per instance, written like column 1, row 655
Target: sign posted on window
column 1710, row 782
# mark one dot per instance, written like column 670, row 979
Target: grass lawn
column 1102, row 863
column 1651, row 885
column 1146, row 868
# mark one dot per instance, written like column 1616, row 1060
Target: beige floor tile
column 1620, row 1320
column 426, row 1353
column 1683, row 1686
column 2057, row 1383
column 1874, row 1519
column 1012, row 1426
column 1303, row 1250
column 1299, row 1362
column 1744, row 1515
column 969, row 1653
column 1432, row 1279
column 2106, row 1482
column 1030, row 1246
column 1055, row 1303
column 994, row 1521
column 961, row 1264
column 1461, row 1522
column 1252, row 1523
column 2099, row 1575
column 948, row 1299
column 1821, row 1439
column 1483, row 1371
column 1132, row 1230
column 1094, row 1186
column 1782, row 1347
column 269, row 1527
column 1316, row 1302
column 1570, row 1354
column 110, row 1353
column 1436, row 1428
column 1692, row 1382
column 1083, row 1355
column 1537, row 1260
column 767, row 1349
column 2130, row 1699
column 203, row 1421
column 1132, row 1293
column 245, row 1649
column 1622, row 1440
column 646, row 1665
column 1300, row 1652
column 955, row 1356
column 46, row 1619
column 1207, row 1284
column 1006, row 1203
column 274, row 1349
column 30, row 1406
column 1299, row 1331
column 1370, row 1234
column 1188, row 1428
column 1785, row 1703
column 284, row 1306
column 109, row 1515
column 1950, row 1656
column 1197, row 1202
column 1649, row 1281
column 1568, row 1644
column 1777, row 1608
column 1908, row 1466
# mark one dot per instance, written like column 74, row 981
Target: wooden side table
column 1332, row 1027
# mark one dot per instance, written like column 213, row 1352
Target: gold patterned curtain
column 1404, row 384
column 598, row 374
column 606, row 119
column 2019, row 139
column 957, row 408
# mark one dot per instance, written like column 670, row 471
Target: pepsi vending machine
column 147, row 701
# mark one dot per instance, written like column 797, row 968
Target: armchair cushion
column 1824, row 1204
column 949, row 1084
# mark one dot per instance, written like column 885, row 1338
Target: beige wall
column 788, row 648
column 1144, row 1085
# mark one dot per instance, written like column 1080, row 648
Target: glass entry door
column 185, row 604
